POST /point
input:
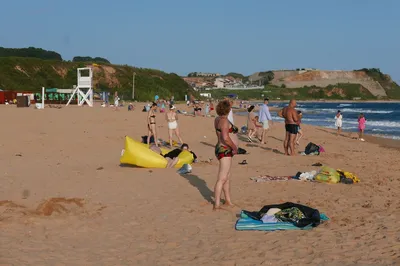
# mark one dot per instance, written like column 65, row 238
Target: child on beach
column 361, row 126
column 338, row 122
column 299, row 131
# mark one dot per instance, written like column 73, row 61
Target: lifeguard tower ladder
column 83, row 90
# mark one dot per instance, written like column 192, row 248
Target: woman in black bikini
column 151, row 124
column 224, row 151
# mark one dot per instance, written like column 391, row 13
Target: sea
column 383, row 119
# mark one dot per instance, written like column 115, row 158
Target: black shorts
column 292, row 128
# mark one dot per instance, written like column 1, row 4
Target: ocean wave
column 377, row 123
column 387, row 136
column 345, row 110
column 344, row 105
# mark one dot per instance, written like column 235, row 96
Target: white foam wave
column 345, row 110
column 387, row 136
column 344, row 104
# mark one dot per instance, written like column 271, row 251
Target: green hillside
column 337, row 92
column 30, row 74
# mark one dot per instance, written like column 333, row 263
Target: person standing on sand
column 151, row 124
column 172, row 118
column 361, row 126
column 263, row 116
column 338, row 122
column 299, row 130
column 233, row 136
column 116, row 101
column 251, row 127
column 291, row 119
column 224, row 151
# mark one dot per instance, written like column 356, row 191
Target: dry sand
column 66, row 201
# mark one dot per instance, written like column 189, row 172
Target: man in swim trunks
column 291, row 127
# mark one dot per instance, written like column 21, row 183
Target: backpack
column 311, row 147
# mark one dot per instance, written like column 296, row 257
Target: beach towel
column 266, row 178
column 245, row 223
column 310, row 216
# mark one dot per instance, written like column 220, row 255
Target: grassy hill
column 30, row 74
column 337, row 92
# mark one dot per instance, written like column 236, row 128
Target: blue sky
column 182, row 36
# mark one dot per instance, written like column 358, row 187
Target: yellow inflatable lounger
column 139, row 154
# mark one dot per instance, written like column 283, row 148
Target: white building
column 205, row 94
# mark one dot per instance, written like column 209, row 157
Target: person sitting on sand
column 224, row 151
column 172, row 156
column 172, row 118
column 291, row 119
column 151, row 124
column 361, row 126
column 338, row 122
column 299, row 131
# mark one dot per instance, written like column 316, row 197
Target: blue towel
column 246, row 223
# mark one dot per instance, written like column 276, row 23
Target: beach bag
column 328, row 175
column 311, row 148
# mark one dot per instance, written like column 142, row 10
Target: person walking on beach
column 299, row 130
column 264, row 115
column 291, row 119
column 361, row 126
column 151, row 124
column 172, row 119
column 224, row 151
column 232, row 135
column 251, row 127
column 338, row 122
column 116, row 101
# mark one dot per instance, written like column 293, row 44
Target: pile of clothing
column 296, row 214
column 328, row 175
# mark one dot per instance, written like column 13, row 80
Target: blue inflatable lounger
column 252, row 220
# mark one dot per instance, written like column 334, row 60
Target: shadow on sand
column 201, row 186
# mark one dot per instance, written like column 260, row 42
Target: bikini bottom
column 222, row 151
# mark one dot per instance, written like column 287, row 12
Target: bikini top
column 233, row 129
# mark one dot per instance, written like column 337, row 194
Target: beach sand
column 66, row 201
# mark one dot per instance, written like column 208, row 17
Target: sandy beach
column 65, row 200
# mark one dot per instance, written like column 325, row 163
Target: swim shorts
column 265, row 124
column 292, row 128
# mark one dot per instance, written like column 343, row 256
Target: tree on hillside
column 30, row 52
column 266, row 77
column 90, row 59
column 192, row 74
column 235, row 75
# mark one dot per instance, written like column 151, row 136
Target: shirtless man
column 291, row 119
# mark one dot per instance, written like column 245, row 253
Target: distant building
column 205, row 94
column 219, row 83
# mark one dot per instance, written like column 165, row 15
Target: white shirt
column 230, row 116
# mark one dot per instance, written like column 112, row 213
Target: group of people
column 172, row 118
column 361, row 124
